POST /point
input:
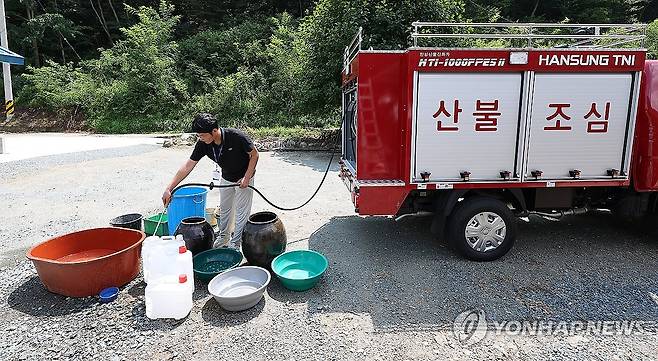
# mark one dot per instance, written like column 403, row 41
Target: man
column 235, row 154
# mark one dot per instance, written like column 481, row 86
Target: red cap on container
column 182, row 278
column 182, row 249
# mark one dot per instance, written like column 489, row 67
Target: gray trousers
column 234, row 211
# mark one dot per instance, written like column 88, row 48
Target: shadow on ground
column 398, row 275
column 215, row 315
column 314, row 160
column 582, row 268
column 32, row 298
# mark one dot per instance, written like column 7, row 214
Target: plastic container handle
column 200, row 199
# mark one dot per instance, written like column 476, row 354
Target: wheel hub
column 485, row 231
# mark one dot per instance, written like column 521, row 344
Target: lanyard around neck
column 221, row 147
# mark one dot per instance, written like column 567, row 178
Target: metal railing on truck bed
column 537, row 35
column 526, row 35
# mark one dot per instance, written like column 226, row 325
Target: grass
column 292, row 133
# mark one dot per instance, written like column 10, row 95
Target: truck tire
column 482, row 228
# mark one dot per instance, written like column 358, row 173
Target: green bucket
column 299, row 270
column 212, row 262
column 151, row 222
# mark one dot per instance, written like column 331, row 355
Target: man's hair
column 204, row 123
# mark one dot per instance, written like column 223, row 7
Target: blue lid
column 109, row 294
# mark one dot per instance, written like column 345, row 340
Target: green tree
column 56, row 87
column 577, row 11
column 42, row 27
column 252, row 63
column 652, row 39
column 237, row 99
column 284, row 70
column 138, row 85
column 218, row 53
column 647, row 10
column 324, row 34
column 132, row 87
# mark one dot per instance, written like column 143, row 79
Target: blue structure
column 8, row 56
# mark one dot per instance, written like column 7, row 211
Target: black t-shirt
column 232, row 155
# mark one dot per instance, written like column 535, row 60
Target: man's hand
column 244, row 182
column 166, row 197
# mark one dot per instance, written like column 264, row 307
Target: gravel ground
column 391, row 292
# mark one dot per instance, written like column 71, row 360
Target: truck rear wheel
column 482, row 229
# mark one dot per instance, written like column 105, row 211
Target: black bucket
column 132, row 221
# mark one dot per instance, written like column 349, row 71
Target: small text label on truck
column 449, row 62
column 586, row 59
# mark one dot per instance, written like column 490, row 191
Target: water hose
column 212, row 186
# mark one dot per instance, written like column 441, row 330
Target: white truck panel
column 593, row 114
column 445, row 145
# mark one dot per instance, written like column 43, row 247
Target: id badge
column 216, row 177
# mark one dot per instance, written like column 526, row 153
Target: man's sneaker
column 232, row 245
column 218, row 244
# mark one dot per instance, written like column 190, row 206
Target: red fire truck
column 563, row 124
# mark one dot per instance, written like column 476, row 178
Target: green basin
column 212, row 262
column 299, row 270
column 151, row 222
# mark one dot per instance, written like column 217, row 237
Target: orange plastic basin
column 83, row 263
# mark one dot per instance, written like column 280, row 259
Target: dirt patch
column 28, row 120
